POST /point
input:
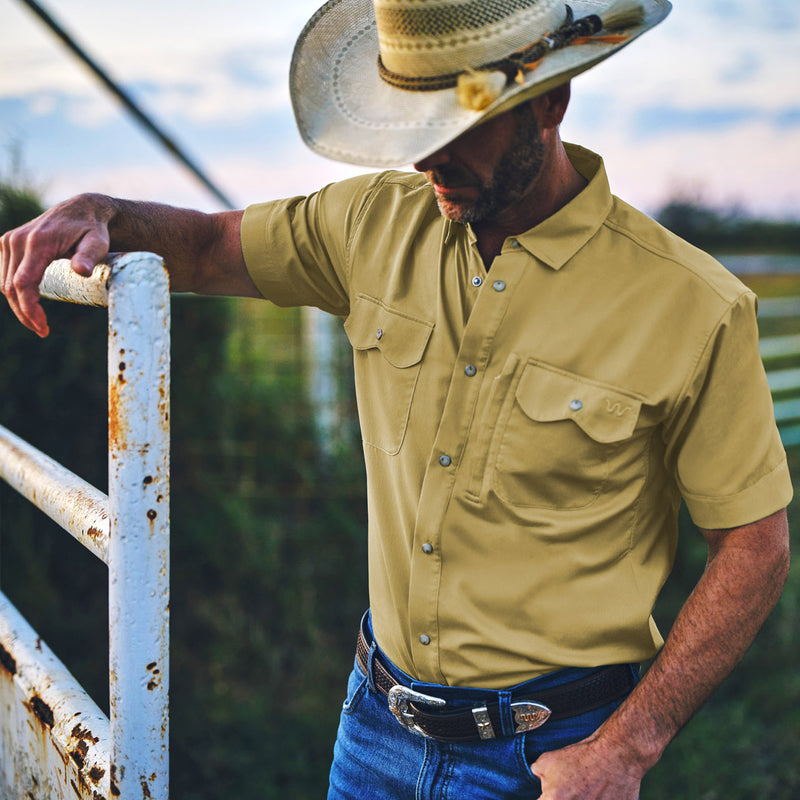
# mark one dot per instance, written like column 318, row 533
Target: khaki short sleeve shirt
column 529, row 431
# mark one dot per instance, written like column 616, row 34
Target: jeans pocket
column 564, row 732
column 525, row 760
column 356, row 689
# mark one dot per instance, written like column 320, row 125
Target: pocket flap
column 400, row 338
column 602, row 412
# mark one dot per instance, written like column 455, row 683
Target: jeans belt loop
column 373, row 649
column 506, row 715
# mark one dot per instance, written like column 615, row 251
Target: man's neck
column 557, row 183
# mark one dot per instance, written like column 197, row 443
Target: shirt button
column 445, row 461
column 477, row 280
column 424, row 639
column 470, row 370
column 499, row 286
column 427, row 548
column 575, row 405
column 379, row 333
column 515, row 243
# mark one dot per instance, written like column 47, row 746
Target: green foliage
column 54, row 397
column 269, row 562
column 728, row 230
column 17, row 206
column 268, row 539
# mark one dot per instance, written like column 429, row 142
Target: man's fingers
column 33, row 317
column 37, row 321
column 90, row 250
column 25, row 302
column 537, row 768
column 83, row 266
column 14, row 285
column 27, row 251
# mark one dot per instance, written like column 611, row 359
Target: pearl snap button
column 576, row 405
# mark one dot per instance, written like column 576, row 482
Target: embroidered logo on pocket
column 616, row 408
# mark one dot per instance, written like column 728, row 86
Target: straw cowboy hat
column 385, row 83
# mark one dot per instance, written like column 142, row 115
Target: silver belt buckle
column 400, row 697
column 529, row 715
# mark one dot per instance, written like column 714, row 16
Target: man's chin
column 456, row 212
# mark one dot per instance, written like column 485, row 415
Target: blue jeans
column 375, row 758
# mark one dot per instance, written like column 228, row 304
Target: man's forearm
column 743, row 579
column 202, row 251
column 745, row 573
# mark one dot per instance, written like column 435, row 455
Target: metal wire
column 141, row 116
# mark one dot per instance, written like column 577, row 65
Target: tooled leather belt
column 484, row 721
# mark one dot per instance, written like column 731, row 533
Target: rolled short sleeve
column 729, row 461
column 296, row 250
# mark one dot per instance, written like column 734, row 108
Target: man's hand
column 203, row 252
column 583, row 771
column 75, row 229
column 743, row 578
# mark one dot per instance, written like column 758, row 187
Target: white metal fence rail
column 780, row 355
column 54, row 741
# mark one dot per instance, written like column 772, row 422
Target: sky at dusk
column 705, row 106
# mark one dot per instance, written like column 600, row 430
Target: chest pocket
column 562, row 436
column 388, row 347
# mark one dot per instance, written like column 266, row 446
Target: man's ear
column 551, row 106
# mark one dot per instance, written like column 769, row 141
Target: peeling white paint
column 54, row 741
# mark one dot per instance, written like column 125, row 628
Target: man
column 542, row 372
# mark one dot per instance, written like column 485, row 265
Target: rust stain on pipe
column 96, row 773
column 7, row 661
column 41, row 710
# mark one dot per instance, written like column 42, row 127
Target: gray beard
column 515, row 172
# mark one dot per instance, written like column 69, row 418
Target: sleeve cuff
column 768, row 495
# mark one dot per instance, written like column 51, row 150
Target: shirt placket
column 472, row 367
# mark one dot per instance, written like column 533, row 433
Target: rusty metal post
column 138, row 553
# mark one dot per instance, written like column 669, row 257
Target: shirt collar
column 555, row 240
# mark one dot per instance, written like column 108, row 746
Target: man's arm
column 745, row 573
column 202, row 251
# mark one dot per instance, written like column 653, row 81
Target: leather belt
column 484, row 721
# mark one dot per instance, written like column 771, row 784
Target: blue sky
column 706, row 105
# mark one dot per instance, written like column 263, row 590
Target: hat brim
column 346, row 112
